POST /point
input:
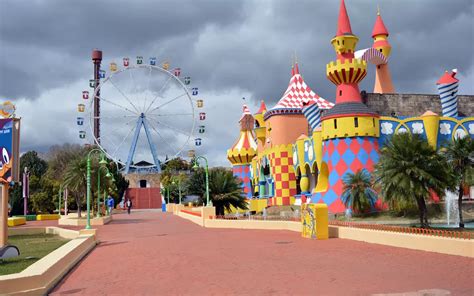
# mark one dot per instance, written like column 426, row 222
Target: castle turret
column 350, row 130
column 448, row 93
column 383, row 79
column 242, row 152
column 260, row 129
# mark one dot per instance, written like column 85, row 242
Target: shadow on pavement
column 111, row 243
column 128, row 221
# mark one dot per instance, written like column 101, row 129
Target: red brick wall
column 144, row 198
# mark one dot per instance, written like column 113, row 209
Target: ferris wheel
column 148, row 114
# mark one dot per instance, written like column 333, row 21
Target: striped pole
column 448, row 93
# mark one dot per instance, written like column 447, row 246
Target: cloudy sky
column 231, row 49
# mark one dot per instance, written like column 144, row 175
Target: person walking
column 110, row 204
column 129, row 205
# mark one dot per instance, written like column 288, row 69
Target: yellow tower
column 260, row 128
column 243, row 151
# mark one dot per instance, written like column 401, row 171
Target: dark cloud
column 230, row 49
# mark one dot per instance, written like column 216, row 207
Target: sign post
column 9, row 167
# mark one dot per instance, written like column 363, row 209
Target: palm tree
column 75, row 179
column 460, row 156
column 358, row 193
column 409, row 168
column 225, row 190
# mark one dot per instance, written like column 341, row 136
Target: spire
column 379, row 27
column 245, row 110
column 297, row 70
column 263, row 108
column 343, row 23
column 246, row 120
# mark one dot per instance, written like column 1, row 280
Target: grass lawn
column 32, row 248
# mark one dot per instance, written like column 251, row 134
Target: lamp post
column 60, row 197
column 168, row 193
column 206, row 170
column 179, row 188
column 88, row 193
column 26, row 190
column 103, row 164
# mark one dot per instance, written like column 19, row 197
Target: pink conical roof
column 299, row 93
column 379, row 27
column 343, row 22
column 448, row 78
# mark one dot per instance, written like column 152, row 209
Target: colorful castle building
column 305, row 145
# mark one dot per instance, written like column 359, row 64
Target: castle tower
column 242, row 152
column 285, row 123
column 448, row 93
column 349, row 129
column 383, row 80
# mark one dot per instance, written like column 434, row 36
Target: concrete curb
column 43, row 275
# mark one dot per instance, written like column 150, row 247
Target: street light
column 88, row 193
column 102, row 163
column 206, row 170
column 179, row 188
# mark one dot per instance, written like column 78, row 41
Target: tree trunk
column 461, row 193
column 422, row 211
column 78, row 203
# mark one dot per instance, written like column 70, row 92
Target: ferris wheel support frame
column 142, row 122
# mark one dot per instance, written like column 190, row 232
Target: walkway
column 154, row 253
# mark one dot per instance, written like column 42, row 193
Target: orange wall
column 286, row 128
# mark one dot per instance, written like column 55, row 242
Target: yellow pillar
column 431, row 124
column 314, row 218
column 322, row 217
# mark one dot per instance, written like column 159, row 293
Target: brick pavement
column 154, row 253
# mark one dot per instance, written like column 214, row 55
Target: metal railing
column 258, row 218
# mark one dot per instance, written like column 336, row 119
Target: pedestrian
column 129, row 205
column 110, row 204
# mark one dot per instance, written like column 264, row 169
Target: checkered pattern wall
column 345, row 155
column 281, row 163
column 243, row 173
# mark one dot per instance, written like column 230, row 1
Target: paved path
column 151, row 253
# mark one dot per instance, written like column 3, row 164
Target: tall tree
column 36, row 165
column 460, row 155
column 358, row 193
column 37, row 168
column 196, row 184
column 59, row 158
column 410, row 168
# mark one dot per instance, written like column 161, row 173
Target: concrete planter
column 43, row 275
